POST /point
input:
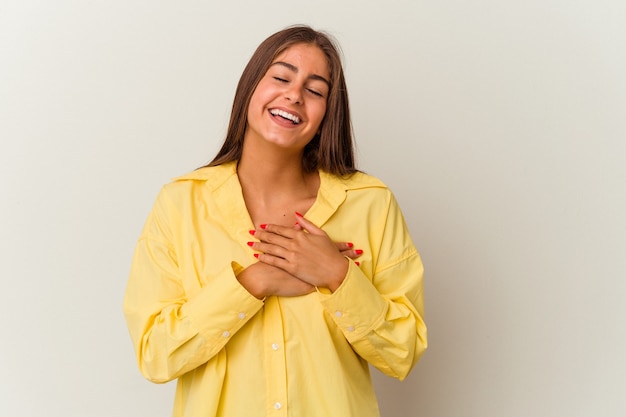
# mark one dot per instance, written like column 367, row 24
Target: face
column 289, row 103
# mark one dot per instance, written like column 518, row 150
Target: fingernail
column 250, row 243
column 252, row 232
column 298, row 214
column 263, row 226
column 350, row 244
column 358, row 251
column 357, row 263
column 256, row 255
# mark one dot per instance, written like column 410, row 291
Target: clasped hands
column 295, row 260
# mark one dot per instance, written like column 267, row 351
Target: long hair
column 331, row 149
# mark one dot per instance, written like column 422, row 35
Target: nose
column 294, row 94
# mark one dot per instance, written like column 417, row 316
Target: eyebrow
column 295, row 69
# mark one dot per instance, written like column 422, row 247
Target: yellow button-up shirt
column 237, row 356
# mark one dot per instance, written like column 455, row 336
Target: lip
column 284, row 122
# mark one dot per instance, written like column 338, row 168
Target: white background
column 500, row 126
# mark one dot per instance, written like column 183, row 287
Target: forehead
column 308, row 58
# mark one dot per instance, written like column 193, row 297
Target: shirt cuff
column 356, row 306
column 219, row 310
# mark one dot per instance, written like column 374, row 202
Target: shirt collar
column 331, row 194
column 217, row 175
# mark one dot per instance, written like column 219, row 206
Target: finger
column 269, row 249
column 276, row 261
column 352, row 253
column 288, row 232
column 266, row 235
column 344, row 246
column 307, row 225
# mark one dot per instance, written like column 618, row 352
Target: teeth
column 285, row 115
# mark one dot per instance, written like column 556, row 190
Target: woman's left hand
column 304, row 251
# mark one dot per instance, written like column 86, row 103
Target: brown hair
column 332, row 149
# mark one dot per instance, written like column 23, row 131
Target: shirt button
column 274, row 346
column 338, row 313
column 350, row 328
column 226, row 334
column 241, row 315
column 278, row 406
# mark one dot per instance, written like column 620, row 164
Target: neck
column 269, row 173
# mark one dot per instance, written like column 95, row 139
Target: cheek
column 254, row 99
column 320, row 113
column 259, row 95
column 255, row 108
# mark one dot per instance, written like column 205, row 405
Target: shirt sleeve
column 382, row 317
column 173, row 331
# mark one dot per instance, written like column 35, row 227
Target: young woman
column 257, row 309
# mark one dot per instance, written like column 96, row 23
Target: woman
column 250, row 304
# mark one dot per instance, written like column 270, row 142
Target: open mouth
column 285, row 115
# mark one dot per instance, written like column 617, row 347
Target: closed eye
column 282, row 80
column 317, row 93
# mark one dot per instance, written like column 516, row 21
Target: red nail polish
column 298, row 214
column 357, row 263
column 256, row 255
column 358, row 251
column 350, row 244
column 250, row 243
column 252, row 232
column 263, row 226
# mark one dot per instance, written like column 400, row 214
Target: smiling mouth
column 287, row 116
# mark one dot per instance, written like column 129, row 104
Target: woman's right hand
column 263, row 280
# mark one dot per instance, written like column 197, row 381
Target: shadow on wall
column 445, row 381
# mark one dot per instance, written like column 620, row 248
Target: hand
column 262, row 280
column 306, row 252
column 345, row 248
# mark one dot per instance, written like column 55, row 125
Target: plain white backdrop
column 500, row 126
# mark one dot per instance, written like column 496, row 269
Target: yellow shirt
column 237, row 356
